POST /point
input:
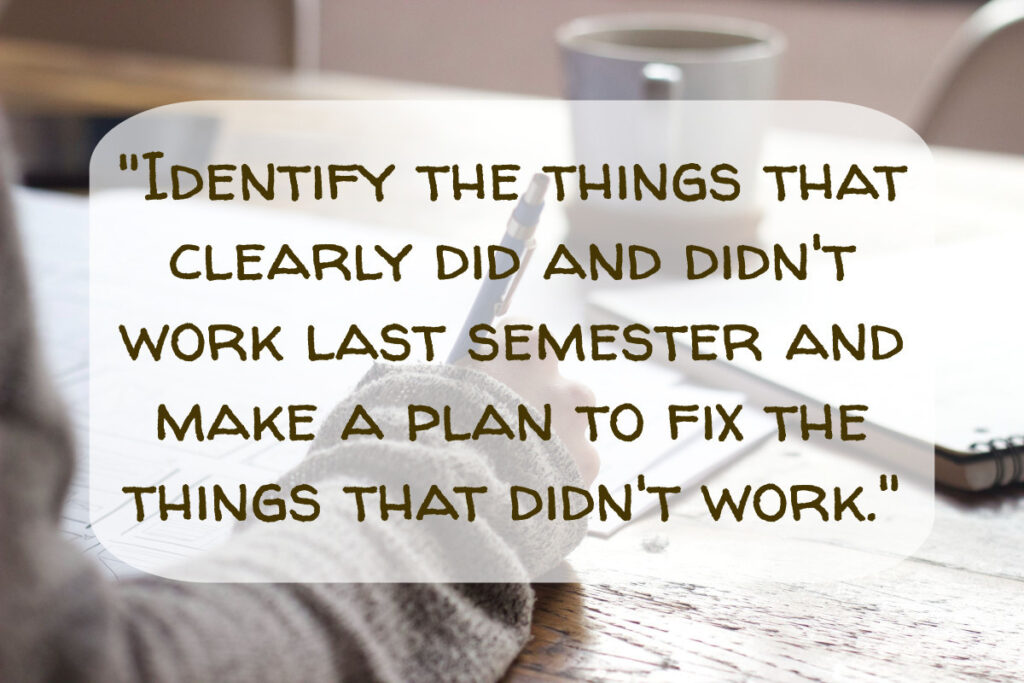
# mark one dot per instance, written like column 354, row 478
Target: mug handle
column 663, row 81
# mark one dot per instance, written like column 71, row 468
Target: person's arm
column 76, row 626
column 61, row 621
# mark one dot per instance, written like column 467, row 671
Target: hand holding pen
column 494, row 296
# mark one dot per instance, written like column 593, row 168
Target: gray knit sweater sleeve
column 60, row 621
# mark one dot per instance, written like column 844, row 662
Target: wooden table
column 953, row 611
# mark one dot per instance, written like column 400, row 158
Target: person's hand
column 539, row 382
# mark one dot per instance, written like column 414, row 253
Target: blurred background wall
column 871, row 52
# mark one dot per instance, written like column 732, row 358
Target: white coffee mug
column 669, row 56
column 640, row 61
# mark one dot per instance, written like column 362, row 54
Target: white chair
column 976, row 99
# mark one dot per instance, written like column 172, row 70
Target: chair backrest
column 977, row 97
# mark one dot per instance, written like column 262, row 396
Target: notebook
column 978, row 428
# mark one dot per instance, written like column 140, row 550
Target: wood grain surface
column 954, row 611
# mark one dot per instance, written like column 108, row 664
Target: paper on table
column 684, row 466
column 55, row 231
column 55, row 239
column 663, row 461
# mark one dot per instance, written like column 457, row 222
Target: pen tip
column 535, row 192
